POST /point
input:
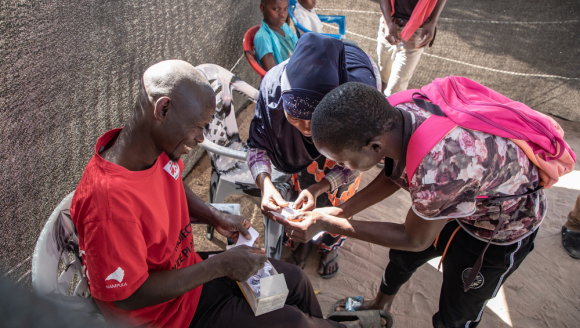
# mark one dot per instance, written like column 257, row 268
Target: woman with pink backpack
column 474, row 163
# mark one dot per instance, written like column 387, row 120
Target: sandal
column 381, row 163
column 325, row 264
column 299, row 263
column 368, row 318
column 354, row 303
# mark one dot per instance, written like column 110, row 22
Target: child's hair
column 349, row 116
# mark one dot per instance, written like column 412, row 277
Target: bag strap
column 427, row 105
column 486, row 201
column 427, row 135
column 402, row 97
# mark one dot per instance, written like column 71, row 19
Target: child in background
column 275, row 41
column 306, row 16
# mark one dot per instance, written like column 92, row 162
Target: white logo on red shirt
column 172, row 168
column 117, row 275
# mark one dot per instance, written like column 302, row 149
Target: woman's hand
column 306, row 201
column 272, row 201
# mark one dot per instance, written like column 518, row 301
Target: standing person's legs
column 222, row 304
column 571, row 232
column 385, row 54
column 464, row 309
column 401, row 267
column 404, row 62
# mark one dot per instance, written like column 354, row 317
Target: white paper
column 289, row 211
column 254, row 281
column 248, row 242
column 286, row 212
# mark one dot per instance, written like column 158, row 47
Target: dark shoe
column 571, row 242
column 368, row 318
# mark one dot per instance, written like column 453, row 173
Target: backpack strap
column 486, row 202
column 423, row 103
column 435, row 128
column 427, row 135
column 402, row 97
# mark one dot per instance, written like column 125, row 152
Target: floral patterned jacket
column 464, row 165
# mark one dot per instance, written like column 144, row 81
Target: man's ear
column 161, row 108
column 262, row 8
column 375, row 145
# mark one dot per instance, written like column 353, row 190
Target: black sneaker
column 571, row 242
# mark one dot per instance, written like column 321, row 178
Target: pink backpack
column 459, row 101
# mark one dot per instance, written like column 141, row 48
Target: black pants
column 456, row 307
column 222, row 304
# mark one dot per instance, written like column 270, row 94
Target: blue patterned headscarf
column 317, row 66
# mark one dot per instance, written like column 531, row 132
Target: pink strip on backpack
column 473, row 106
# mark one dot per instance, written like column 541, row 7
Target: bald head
column 176, row 79
column 175, row 102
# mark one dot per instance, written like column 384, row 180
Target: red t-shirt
column 129, row 224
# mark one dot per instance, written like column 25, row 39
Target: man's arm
column 415, row 235
column 380, row 188
column 227, row 225
column 238, row 263
column 199, row 209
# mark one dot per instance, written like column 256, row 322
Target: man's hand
column 231, row 226
column 306, row 201
column 302, row 227
column 427, row 34
column 392, row 32
column 242, row 262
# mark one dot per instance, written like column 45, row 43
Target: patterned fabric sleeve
column 340, row 175
column 259, row 162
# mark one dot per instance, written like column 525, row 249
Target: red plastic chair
column 249, row 50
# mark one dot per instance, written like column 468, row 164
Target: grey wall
column 70, row 72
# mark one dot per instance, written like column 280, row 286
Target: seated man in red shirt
column 132, row 213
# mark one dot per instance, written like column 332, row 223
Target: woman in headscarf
column 280, row 134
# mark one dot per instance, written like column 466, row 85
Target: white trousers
column 397, row 62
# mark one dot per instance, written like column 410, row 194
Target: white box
column 273, row 290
